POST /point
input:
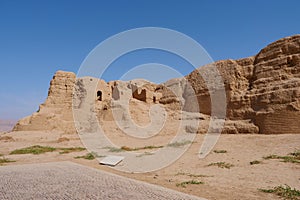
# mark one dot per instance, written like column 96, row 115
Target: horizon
column 40, row 38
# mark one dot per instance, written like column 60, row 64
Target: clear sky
column 37, row 38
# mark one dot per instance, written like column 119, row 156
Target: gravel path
column 67, row 180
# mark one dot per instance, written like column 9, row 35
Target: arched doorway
column 99, row 95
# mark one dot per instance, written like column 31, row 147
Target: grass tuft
column 88, row 156
column 284, row 191
column 125, row 148
column 148, row 147
column 191, row 175
column 221, row 165
column 5, row 160
column 273, row 156
column 179, row 144
column 71, row 149
column 291, row 158
column 191, row 182
column 113, row 149
column 36, row 149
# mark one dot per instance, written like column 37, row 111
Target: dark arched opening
column 99, row 95
column 154, row 99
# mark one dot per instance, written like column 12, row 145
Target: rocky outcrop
column 275, row 87
column 56, row 112
column 263, row 89
column 262, row 94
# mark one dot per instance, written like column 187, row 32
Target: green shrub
column 284, row 191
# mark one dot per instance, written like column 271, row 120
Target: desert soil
column 241, row 181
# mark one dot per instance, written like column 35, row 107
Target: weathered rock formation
column 56, row 112
column 262, row 94
column 263, row 89
column 275, row 87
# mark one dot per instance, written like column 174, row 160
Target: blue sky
column 37, row 38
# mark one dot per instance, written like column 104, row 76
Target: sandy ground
column 241, row 181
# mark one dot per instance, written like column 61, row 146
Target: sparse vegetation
column 148, row 147
column 89, row 156
column 5, row 160
column 284, row 191
column 191, row 175
column 296, row 153
column 113, row 149
column 255, row 162
column 179, row 144
column 71, row 149
column 221, row 165
column 220, row 151
column 273, row 156
column 36, row 149
column 191, row 182
column 292, row 157
column 125, row 148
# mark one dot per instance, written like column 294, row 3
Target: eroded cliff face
column 56, row 113
column 263, row 89
column 262, row 94
column 275, row 87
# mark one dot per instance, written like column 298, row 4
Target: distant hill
column 7, row 125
